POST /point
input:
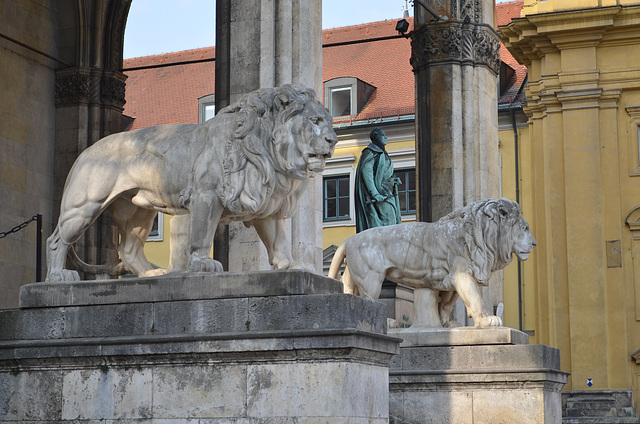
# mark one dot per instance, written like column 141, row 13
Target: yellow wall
column 583, row 178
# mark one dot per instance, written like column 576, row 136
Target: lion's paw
column 488, row 321
column 205, row 265
column 63, row 275
column 452, row 324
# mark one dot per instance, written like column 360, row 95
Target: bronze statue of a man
column 376, row 191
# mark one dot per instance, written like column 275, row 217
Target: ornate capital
column 72, row 86
column 112, row 89
column 462, row 42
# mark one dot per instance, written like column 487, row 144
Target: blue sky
column 163, row 26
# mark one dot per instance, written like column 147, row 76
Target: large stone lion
column 250, row 163
column 441, row 260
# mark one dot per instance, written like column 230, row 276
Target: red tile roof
column 382, row 62
column 505, row 12
column 164, row 89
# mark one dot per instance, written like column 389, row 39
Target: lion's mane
column 487, row 234
column 261, row 155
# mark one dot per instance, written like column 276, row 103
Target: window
column 156, row 233
column 346, row 95
column 407, row 190
column 340, row 101
column 336, row 198
column 206, row 108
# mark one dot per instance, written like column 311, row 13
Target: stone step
column 600, row 420
column 604, row 406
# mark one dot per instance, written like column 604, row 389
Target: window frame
column 405, row 160
column 203, row 102
column 338, row 198
column 160, row 235
column 401, row 188
column 335, row 167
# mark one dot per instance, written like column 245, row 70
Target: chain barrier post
column 39, row 247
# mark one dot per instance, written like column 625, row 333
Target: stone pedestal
column 264, row 347
column 474, row 375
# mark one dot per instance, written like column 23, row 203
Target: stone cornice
column 527, row 38
column 453, row 41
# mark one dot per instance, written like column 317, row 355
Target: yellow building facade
column 580, row 180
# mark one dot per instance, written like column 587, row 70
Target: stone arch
column 89, row 97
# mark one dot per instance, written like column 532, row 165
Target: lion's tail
column 336, row 262
column 118, row 268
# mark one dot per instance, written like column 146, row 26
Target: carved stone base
column 264, row 347
column 474, row 375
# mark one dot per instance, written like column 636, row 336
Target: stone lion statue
column 443, row 260
column 250, row 163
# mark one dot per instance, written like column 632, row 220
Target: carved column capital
column 72, row 86
column 452, row 41
column 112, row 89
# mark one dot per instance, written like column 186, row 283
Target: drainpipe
column 517, row 172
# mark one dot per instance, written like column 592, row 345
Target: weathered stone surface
column 265, row 358
column 485, row 381
column 177, row 287
column 459, row 336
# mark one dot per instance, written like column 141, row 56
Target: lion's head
column 494, row 231
column 282, row 137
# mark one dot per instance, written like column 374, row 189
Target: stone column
column 456, row 61
column 268, row 43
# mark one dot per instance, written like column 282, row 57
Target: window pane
column 330, row 211
column 344, row 187
column 411, row 180
column 344, row 207
column 209, row 111
column 341, row 101
column 402, row 196
column 330, row 188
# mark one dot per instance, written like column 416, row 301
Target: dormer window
column 206, row 108
column 346, row 96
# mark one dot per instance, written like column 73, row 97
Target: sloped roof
column 164, row 89
column 382, row 61
column 505, row 12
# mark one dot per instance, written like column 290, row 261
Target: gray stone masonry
column 474, row 375
column 598, row 406
column 263, row 347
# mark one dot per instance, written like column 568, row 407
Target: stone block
column 212, row 390
column 294, row 350
column 461, row 336
column 308, row 390
column 174, row 287
column 29, row 396
column 469, row 375
column 106, row 393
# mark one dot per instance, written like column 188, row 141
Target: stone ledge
column 460, row 336
column 173, row 287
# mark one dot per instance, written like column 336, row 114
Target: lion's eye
column 314, row 120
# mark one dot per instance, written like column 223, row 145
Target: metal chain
column 17, row 227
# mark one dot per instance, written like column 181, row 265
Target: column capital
column 457, row 42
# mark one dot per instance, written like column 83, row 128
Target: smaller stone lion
column 249, row 163
column 442, row 260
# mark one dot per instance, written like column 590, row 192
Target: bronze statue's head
column 378, row 137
